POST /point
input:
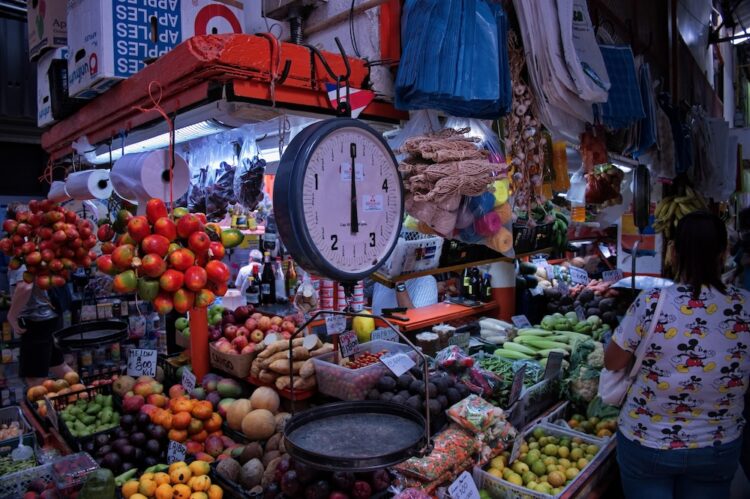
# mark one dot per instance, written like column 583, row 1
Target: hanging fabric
column 624, row 105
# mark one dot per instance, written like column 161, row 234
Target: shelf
column 391, row 282
column 424, row 317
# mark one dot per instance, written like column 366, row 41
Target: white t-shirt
column 422, row 291
column 242, row 282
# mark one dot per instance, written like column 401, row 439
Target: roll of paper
column 142, row 176
column 89, row 184
column 57, row 192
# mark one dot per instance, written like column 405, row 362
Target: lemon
column 507, row 472
column 581, row 463
column 592, row 449
column 498, row 462
column 528, row 477
column 533, row 445
column 495, row 472
column 576, row 454
column 549, row 460
column 363, row 327
column 520, row 467
column 524, row 448
column 563, row 451
column 550, row 449
column 556, row 479
column 551, row 468
column 564, row 463
column 531, row 485
column 544, row 488
column 571, row 473
column 515, row 479
column 543, row 441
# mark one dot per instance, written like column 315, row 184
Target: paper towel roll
column 89, row 184
column 57, row 192
column 139, row 177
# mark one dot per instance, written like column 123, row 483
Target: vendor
column 414, row 293
column 243, row 277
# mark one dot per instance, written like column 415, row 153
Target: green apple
column 181, row 323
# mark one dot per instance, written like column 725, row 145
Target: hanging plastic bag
column 248, row 181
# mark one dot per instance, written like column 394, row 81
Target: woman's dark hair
column 700, row 244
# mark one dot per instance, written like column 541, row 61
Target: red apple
column 104, row 264
column 195, row 277
column 239, row 343
column 257, row 336
column 171, row 280
column 242, row 331
column 204, row 298
column 166, row 227
column 199, row 242
column 163, row 303
column 217, row 271
column 152, row 265
column 138, row 228
column 230, row 331
column 181, row 259
column 216, row 250
column 288, row 327
column 251, row 324
column 155, row 209
column 250, row 348
column 188, row 224
column 122, row 256
column 183, row 300
column 155, row 243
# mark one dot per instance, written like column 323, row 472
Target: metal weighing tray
column 91, row 334
column 355, row 436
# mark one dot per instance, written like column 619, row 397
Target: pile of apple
column 243, row 331
column 171, row 261
column 50, row 240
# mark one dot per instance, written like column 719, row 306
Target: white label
column 270, row 339
column 348, row 344
column 464, row 487
column 538, row 259
column 563, row 287
column 142, row 362
column 536, row 291
column 346, row 171
column 188, row 380
column 612, row 275
column 520, row 321
column 550, row 270
column 175, row 452
column 398, row 363
column 578, row 276
column 580, row 313
column 310, row 341
column 335, row 324
column 384, row 334
column 372, row 202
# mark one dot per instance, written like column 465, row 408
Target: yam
column 285, row 383
column 307, row 369
column 279, row 346
column 273, row 442
column 326, row 348
column 269, row 475
column 267, row 377
column 281, row 366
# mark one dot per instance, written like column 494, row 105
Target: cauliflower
column 596, row 358
column 584, row 384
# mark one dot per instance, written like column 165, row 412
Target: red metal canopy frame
column 252, row 68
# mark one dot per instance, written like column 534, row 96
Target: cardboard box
column 111, row 40
column 47, row 22
column 231, row 363
column 44, row 115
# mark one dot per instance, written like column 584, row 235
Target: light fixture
column 741, row 37
column 184, row 134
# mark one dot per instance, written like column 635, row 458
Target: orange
column 163, row 491
column 129, row 488
column 181, row 491
column 200, row 437
column 202, row 410
column 72, row 378
column 177, row 435
column 215, row 492
column 161, row 478
column 213, row 423
column 181, row 420
column 49, row 385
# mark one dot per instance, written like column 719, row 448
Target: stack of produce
column 496, row 331
column 257, row 418
column 506, row 369
column 586, row 362
column 88, row 416
column 670, row 210
column 138, row 392
column 40, row 488
column 242, row 331
column 36, row 394
column 603, row 185
column 178, row 481
column 271, row 366
column 172, row 261
column 50, row 241
column 546, row 464
column 138, row 443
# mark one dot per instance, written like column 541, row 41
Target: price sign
column 578, row 276
column 188, row 380
column 142, row 362
column 554, row 364
column 516, row 448
column 335, row 324
column 348, row 344
column 398, row 363
column 464, row 487
column 580, row 313
column 520, row 321
column 539, row 259
column 563, row 287
column 550, row 270
column 175, row 452
column 612, row 275
column 517, row 385
column 310, row 341
column 271, row 338
column 384, row 334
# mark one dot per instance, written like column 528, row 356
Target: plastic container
column 13, row 414
column 353, row 384
column 70, row 472
column 414, row 252
column 560, row 416
column 14, row 485
column 499, row 488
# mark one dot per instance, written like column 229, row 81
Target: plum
column 361, row 490
column 380, row 480
column 318, row 490
column 305, row 473
column 343, row 480
column 290, row 484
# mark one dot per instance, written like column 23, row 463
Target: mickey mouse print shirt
column 690, row 390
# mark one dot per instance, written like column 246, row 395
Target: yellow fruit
column 147, row 487
column 515, row 479
column 215, row 492
column 498, row 462
column 576, row 454
column 520, row 467
column 363, row 327
column 199, row 468
column 556, row 479
column 533, row 445
column 544, row 488
column 138, row 496
column 542, row 479
column 539, row 468
column 161, row 478
column 531, row 485
column 180, row 475
column 524, row 448
column 174, row 466
column 564, row 463
column 556, row 490
column 130, row 488
column 507, row 472
column 163, row 491
column 198, row 495
column 551, row 468
column 495, row 472
column 147, row 476
column 201, row 483
column 528, row 477
column 550, row 449
column 604, row 433
column 571, row 473
column 563, row 452
column 592, row 449
column 581, row 463
column 549, row 460
column 181, row 491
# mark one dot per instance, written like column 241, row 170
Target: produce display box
column 70, row 472
column 502, row 489
column 353, row 384
column 234, row 364
column 560, row 416
column 527, row 239
column 14, row 485
column 414, row 252
column 13, row 414
column 232, row 490
column 286, row 392
column 57, row 404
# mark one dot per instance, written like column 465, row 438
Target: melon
column 265, row 398
column 259, row 424
column 237, row 412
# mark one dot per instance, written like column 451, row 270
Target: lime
column 539, row 468
column 550, row 449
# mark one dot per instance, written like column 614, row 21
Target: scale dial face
column 334, row 225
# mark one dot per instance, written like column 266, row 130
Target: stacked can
column 326, row 294
column 358, row 298
column 340, row 297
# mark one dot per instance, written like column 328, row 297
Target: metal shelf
column 391, row 282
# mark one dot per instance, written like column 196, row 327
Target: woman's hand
column 615, row 358
column 14, row 324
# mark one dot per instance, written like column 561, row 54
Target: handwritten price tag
column 142, row 362
column 550, row 270
column 384, row 334
column 554, row 364
column 520, row 321
column 175, row 452
column 398, row 363
column 578, row 276
column 516, row 386
column 464, row 487
column 580, row 313
column 348, row 344
column 188, row 380
column 335, row 324
column 516, row 449
column 538, row 259
column 612, row 275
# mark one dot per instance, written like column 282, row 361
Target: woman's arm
column 615, row 358
column 20, row 298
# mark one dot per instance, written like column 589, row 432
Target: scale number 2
column 334, row 242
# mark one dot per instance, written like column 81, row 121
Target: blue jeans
column 648, row 473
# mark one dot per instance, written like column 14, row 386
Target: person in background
column 414, row 293
column 680, row 427
column 255, row 259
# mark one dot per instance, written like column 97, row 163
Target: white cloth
column 242, row 282
column 422, row 291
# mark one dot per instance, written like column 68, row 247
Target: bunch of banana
column 671, row 209
column 560, row 231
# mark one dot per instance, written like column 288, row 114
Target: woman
column 680, row 427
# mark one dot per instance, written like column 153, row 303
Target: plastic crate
column 414, row 252
column 501, row 489
column 13, row 414
column 59, row 403
column 353, row 384
column 527, row 239
column 70, row 472
column 14, row 485
column 561, row 415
